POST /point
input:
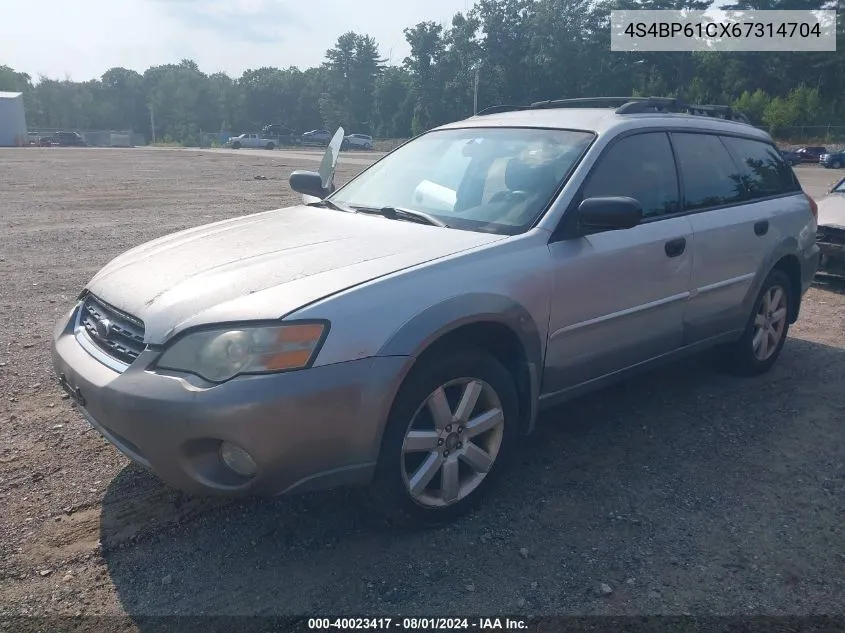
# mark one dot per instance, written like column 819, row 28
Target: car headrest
column 520, row 176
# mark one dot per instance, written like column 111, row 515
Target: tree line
column 519, row 50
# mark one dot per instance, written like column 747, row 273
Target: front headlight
column 218, row 355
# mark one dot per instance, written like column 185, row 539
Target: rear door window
column 709, row 174
column 763, row 171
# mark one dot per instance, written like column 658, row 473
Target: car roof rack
column 499, row 108
column 586, row 102
column 630, row 105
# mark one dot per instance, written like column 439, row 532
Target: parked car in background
column 281, row 134
column 253, row 141
column 792, row 158
column 316, row 137
column 63, row 139
column 833, row 160
column 811, row 154
column 402, row 331
column 830, row 235
column 357, row 141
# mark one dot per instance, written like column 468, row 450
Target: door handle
column 761, row 227
column 676, row 247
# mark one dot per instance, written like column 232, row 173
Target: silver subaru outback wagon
column 402, row 331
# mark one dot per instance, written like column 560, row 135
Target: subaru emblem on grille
column 103, row 328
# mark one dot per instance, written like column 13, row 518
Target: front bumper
column 305, row 430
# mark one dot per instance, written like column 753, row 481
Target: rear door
column 619, row 296
column 738, row 191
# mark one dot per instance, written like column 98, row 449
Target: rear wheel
column 269, row 146
column 449, row 432
column 766, row 331
column 836, row 164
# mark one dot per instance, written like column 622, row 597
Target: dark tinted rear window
column 710, row 176
column 763, row 171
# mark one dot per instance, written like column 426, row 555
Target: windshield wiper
column 400, row 213
column 329, row 204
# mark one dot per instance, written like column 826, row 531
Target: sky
column 81, row 39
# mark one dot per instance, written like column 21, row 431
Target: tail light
column 814, row 208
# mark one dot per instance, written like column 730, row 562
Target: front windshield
column 497, row 180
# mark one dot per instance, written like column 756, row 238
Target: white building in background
column 12, row 120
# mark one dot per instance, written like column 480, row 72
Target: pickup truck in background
column 63, row 139
column 254, row 141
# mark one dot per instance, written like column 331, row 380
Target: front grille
column 119, row 335
column 830, row 235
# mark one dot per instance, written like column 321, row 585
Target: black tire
column 236, row 145
column 836, row 164
column 738, row 358
column 388, row 491
column 269, row 146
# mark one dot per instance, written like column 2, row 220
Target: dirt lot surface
column 684, row 490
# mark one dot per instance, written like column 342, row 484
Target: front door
column 619, row 296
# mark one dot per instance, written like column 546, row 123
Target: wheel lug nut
column 460, row 444
column 460, row 429
column 440, row 442
column 445, row 453
column 449, row 428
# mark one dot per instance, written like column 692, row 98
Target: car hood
column 264, row 266
column 832, row 210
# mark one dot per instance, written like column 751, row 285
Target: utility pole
column 475, row 92
column 152, row 122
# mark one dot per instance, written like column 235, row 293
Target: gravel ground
column 681, row 491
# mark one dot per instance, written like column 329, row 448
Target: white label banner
column 716, row 30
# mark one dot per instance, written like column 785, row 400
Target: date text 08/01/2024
column 417, row 624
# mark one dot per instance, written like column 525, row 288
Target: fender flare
column 420, row 332
column 788, row 246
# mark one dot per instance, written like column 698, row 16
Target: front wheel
column 236, row 145
column 449, row 432
column 766, row 330
column 836, row 164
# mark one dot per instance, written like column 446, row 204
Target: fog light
column 237, row 459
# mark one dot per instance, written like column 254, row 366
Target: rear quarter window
column 763, row 171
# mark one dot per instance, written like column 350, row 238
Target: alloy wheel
column 769, row 323
column 452, row 442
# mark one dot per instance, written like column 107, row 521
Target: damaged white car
column 831, row 231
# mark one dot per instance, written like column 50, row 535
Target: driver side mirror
column 308, row 183
column 609, row 214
